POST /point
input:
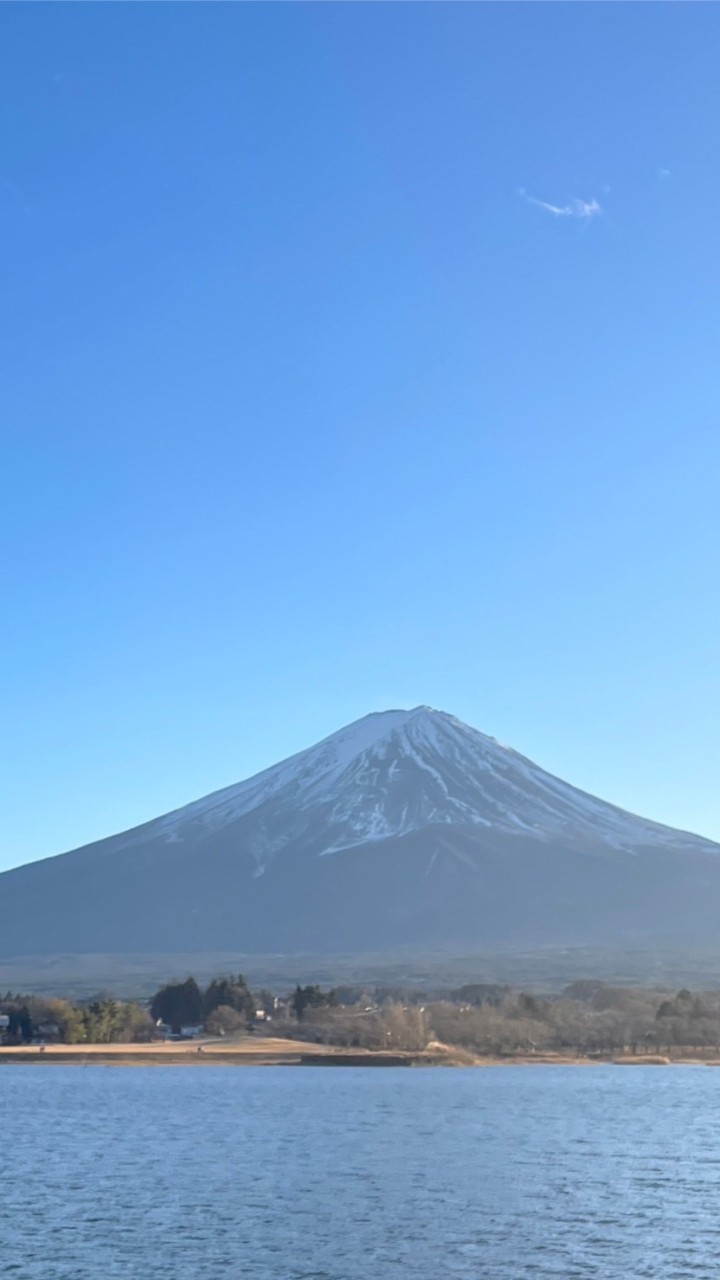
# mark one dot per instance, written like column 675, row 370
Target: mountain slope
column 407, row 828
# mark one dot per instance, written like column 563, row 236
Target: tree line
column 103, row 1020
column 226, row 1004
column 586, row 1018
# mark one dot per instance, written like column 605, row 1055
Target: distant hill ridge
column 404, row 829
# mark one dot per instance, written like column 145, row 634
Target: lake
column 217, row 1173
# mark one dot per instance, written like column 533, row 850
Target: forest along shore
column 227, row 1023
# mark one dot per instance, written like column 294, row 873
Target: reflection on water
column 293, row 1174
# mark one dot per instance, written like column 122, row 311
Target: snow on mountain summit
column 397, row 772
column 404, row 829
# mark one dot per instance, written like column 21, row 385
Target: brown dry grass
column 274, row 1050
column 249, row 1048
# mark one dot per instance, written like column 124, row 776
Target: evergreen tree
column 230, row 993
column 102, row 1020
column 310, row 997
column 20, row 1024
column 179, row 1004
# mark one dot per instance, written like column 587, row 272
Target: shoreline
column 275, row 1052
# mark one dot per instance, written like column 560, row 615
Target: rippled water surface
column 289, row 1173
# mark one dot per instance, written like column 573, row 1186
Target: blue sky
column 355, row 356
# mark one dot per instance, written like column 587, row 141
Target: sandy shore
column 274, row 1051
column 263, row 1051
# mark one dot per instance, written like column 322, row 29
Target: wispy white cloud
column 664, row 173
column 573, row 209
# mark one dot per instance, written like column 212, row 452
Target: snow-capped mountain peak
column 397, row 772
column 406, row 828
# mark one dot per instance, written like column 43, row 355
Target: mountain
column 405, row 829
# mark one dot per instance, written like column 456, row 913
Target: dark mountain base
column 436, row 889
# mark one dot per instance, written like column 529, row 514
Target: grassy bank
column 274, row 1051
